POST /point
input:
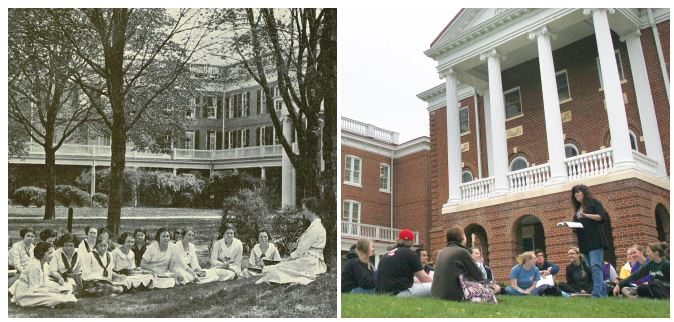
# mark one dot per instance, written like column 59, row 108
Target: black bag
column 551, row 291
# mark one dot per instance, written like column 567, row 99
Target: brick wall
column 411, row 202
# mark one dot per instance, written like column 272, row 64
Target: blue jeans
column 596, row 259
column 360, row 290
column 537, row 291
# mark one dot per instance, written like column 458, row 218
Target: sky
column 382, row 67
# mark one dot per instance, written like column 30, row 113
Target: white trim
column 636, row 141
column 351, row 202
column 519, row 157
column 388, row 178
column 619, row 62
column 471, row 176
column 351, row 172
column 572, row 146
column 505, row 102
column 467, row 119
column 436, row 97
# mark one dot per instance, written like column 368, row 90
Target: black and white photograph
column 172, row 162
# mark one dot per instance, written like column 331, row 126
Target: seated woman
column 657, row 268
column 610, row 276
column 65, row 262
column 124, row 262
column 188, row 257
column 306, row 262
column 161, row 258
column 578, row 274
column 48, row 236
column 637, row 253
column 98, row 277
column 138, row 245
column 476, row 254
column 227, row 255
column 523, row 277
column 358, row 275
column 262, row 251
column 32, row 289
column 87, row 244
column 177, row 235
column 22, row 252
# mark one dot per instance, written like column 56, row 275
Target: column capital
column 636, row 34
column 590, row 11
column 448, row 72
column 491, row 53
column 542, row 31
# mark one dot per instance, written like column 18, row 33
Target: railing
column 589, row 164
column 369, row 130
column 528, row 178
column 85, row 150
column 373, row 232
column 477, row 189
column 645, row 163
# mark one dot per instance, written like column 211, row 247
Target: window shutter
column 219, row 108
column 204, row 111
column 196, row 139
column 258, row 100
column 197, row 111
column 208, row 140
column 218, row 140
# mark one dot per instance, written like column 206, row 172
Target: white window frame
column 213, row 139
column 469, row 173
column 230, row 140
column 568, row 86
column 278, row 100
column 210, row 109
column 571, row 145
column 245, row 104
column 636, row 141
column 619, row 62
column 244, row 138
column 505, row 102
column 467, row 119
column 348, row 208
column 387, row 177
column 231, row 107
column 349, row 173
column 189, row 140
column 510, row 166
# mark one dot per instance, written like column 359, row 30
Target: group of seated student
column 403, row 272
column 60, row 268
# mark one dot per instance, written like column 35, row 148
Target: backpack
column 476, row 291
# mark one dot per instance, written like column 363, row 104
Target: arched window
column 570, row 150
column 633, row 141
column 518, row 163
column 466, row 176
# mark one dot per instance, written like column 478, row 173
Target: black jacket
column 452, row 261
column 593, row 235
column 356, row 274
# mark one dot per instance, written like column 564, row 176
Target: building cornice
column 388, row 150
column 413, row 146
column 659, row 15
column 435, row 97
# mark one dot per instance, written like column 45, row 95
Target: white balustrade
column 373, row 232
column 369, row 130
column 589, row 164
column 645, row 163
column 529, row 178
column 477, row 189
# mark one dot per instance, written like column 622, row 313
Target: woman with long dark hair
column 591, row 238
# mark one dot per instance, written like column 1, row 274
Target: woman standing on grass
column 124, row 262
column 227, row 254
column 98, row 276
column 358, row 275
column 33, row 289
column 523, row 277
column 657, row 268
column 578, row 274
column 591, row 238
column 263, row 250
column 188, row 256
column 162, row 259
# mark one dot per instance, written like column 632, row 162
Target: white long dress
column 257, row 255
column 82, row 248
column 59, row 266
column 190, row 260
column 167, row 263
column 33, row 288
column 127, row 261
column 232, row 255
column 305, row 263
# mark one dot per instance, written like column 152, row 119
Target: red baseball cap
column 406, row 234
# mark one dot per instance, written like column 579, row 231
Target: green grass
column 238, row 298
column 358, row 305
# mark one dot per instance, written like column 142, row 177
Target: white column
column 453, row 139
column 613, row 94
column 497, row 123
column 553, row 119
column 642, row 86
column 488, row 132
column 263, row 173
column 287, row 180
column 93, row 179
column 175, row 171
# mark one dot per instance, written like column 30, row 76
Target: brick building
column 582, row 98
column 384, row 186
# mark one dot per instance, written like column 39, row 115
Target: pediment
column 465, row 20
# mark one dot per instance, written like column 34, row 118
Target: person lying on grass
column 398, row 267
column 657, row 268
column 523, row 277
column 33, row 289
column 306, row 261
column 97, row 272
column 358, row 275
column 263, row 250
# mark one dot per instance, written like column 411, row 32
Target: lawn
column 238, row 298
column 358, row 305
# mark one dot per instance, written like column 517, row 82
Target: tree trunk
column 116, row 193
column 50, row 205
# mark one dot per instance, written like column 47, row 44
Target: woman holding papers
column 262, row 251
column 523, row 277
column 591, row 238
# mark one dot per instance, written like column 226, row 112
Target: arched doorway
column 529, row 234
column 477, row 237
column 662, row 222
